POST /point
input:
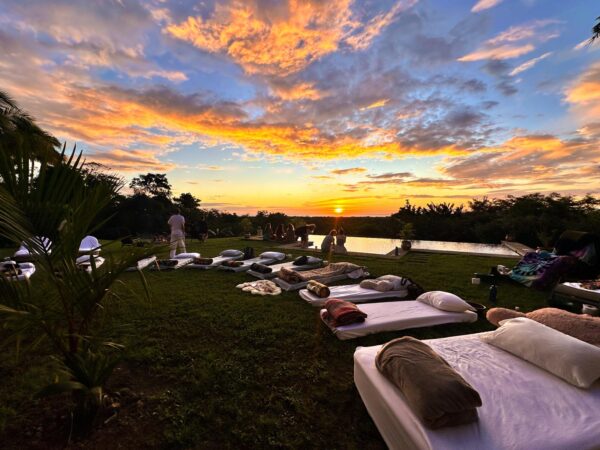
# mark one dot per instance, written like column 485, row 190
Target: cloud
column 283, row 40
column 348, row 171
column 130, row 161
column 391, row 175
column 482, row 5
column 583, row 94
column 528, row 64
column 376, row 104
column 514, row 42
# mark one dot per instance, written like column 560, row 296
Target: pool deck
column 517, row 247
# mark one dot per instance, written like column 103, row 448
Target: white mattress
column 141, row 264
column 180, row 263
column 277, row 267
column 247, row 263
column 395, row 316
column 295, row 286
column 217, row 261
column 27, row 270
column 351, row 293
column 576, row 290
column 524, row 407
column 187, row 255
column 83, row 262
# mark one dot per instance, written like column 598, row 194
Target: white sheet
column 83, row 262
column 289, row 265
column 27, row 270
column 141, row 264
column 524, row 407
column 247, row 263
column 89, row 244
column 396, row 316
column 187, row 255
column 576, row 290
column 351, row 293
column 180, row 263
column 217, row 261
column 295, row 286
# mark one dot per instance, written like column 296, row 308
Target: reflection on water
column 382, row 246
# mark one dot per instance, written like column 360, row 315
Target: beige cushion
column 574, row 361
column 377, row 285
column 399, row 283
column 445, row 301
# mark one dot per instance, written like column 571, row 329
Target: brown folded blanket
column 203, row 261
column 261, row 268
column 232, row 263
column 340, row 312
column 292, row 276
column 319, row 289
column 432, row 388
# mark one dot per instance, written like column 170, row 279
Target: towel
column 340, row 312
column 319, row 289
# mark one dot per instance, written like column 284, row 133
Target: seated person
column 340, row 242
column 279, row 232
column 303, row 232
column 268, row 232
column 327, row 244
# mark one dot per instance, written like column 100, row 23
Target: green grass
column 233, row 370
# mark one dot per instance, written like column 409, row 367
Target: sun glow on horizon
column 338, row 210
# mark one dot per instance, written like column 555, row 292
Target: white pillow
column 575, row 361
column 187, row 255
column 272, row 255
column 445, row 301
column 231, row 252
column 400, row 283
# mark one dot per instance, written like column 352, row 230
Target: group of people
column 289, row 233
column 335, row 242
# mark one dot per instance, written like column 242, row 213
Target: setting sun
column 338, row 210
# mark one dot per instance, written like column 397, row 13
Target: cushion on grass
column 301, row 260
column 377, row 285
column 580, row 326
column 574, row 361
column 273, row 255
column 445, row 301
column 432, row 388
column 231, row 252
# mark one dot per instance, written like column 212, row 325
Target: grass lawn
column 209, row 366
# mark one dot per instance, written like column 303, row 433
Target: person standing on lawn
column 177, row 224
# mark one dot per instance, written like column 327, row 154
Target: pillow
column 399, row 283
column 313, row 260
column 187, row 255
column 272, row 255
column 231, row 253
column 445, row 301
column 574, row 361
column 377, row 285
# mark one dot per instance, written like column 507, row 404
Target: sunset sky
column 308, row 106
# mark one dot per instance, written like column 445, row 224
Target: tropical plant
column 595, row 31
column 19, row 130
column 62, row 304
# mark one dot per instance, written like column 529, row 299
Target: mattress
column 27, row 270
column 576, row 290
column 180, row 263
column 277, row 267
column 351, row 293
column 396, row 316
column 247, row 263
column 217, row 261
column 295, row 286
column 524, row 407
column 83, row 262
column 141, row 264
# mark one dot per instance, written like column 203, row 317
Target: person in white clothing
column 177, row 224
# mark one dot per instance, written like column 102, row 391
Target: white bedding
column 27, row 270
column 141, row 264
column 247, row 263
column 396, row 316
column 576, row 290
column 289, row 265
column 295, row 286
column 180, row 263
column 351, row 293
column 524, row 407
column 84, row 263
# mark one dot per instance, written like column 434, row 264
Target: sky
column 309, row 107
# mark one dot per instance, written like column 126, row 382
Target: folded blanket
column 203, row 261
column 432, row 388
column 319, row 289
column 232, row 263
column 262, row 287
column 334, row 269
column 261, row 268
column 340, row 312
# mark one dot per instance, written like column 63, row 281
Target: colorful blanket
column 340, row 312
column 542, row 270
column 331, row 270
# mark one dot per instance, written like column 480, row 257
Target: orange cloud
column 377, row 104
column 511, row 42
column 130, row 161
column 482, row 5
column 528, row 64
column 274, row 43
column 348, row 171
column 301, row 91
column 584, row 93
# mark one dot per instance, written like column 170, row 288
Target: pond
column 381, row 246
